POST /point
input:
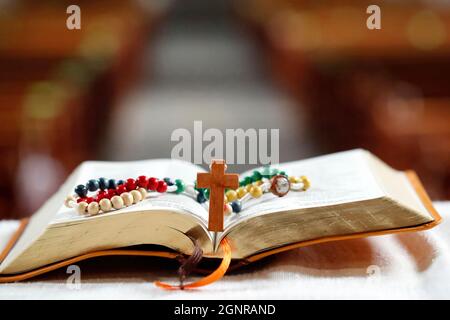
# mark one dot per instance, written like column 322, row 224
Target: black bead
column 120, row 182
column 103, row 183
column 168, row 181
column 92, row 185
column 112, row 184
column 81, row 190
column 201, row 197
column 237, row 206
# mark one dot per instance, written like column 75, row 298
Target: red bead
column 162, row 186
column 152, row 184
column 121, row 189
column 81, row 200
column 142, row 181
column 89, row 199
column 130, row 184
column 101, row 195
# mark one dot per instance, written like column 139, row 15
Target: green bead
column 256, row 176
column 180, row 186
column 207, row 193
column 282, row 173
column 241, row 183
column 248, row 180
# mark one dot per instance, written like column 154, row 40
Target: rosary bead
column 102, row 183
column 112, row 184
column 231, row 195
column 105, row 205
column 142, row 181
column 137, row 197
column 152, row 184
column 180, row 186
column 93, row 208
column 248, row 187
column 207, row 193
column 256, row 192
column 241, row 192
column 306, row 183
column 81, row 208
column 201, row 196
column 130, row 184
column 101, row 195
column 68, row 201
column 120, row 182
column 227, row 209
column 117, row 202
column 89, row 200
column 294, row 179
column 143, row 192
column 256, row 175
column 127, row 199
column 81, row 190
column 258, row 183
column 162, row 186
column 93, row 185
column 168, row 181
column 121, row 189
column 248, row 180
column 237, row 206
column 80, row 200
column 112, row 193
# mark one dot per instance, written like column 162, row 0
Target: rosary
column 226, row 194
column 104, row 195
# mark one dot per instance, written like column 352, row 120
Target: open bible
column 352, row 194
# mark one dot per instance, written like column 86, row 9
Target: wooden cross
column 217, row 181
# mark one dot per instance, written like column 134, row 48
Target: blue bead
column 81, row 190
column 103, row 183
column 201, row 197
column 112, row 184
column 168, row 181
column 92, row 185
column 120, row 182
column 237, row 206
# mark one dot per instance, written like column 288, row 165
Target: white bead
column 143, row 193
column 69, row 201
column 93, row 208
column 136, row 196
column 127, row 199
column 117, row 202
column 105, row 205
column 81, row 208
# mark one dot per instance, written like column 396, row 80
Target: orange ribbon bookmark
column 213, row 277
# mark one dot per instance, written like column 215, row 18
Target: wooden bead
column 248, row 187
column 241, row 192
column 137, row 197
column 294, row 179
column 105, row 205
column 227, row 209
column 306, row 182
column 256, row 192
column 117, row 202
column 81, row 208
column 143, row 193
column 68, row 202
column 231, row 195
column 127, row 199
column 93, row 208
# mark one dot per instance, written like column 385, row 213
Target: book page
column 336, row 178
column 160, row 168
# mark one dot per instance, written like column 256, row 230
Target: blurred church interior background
column 137, row 70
